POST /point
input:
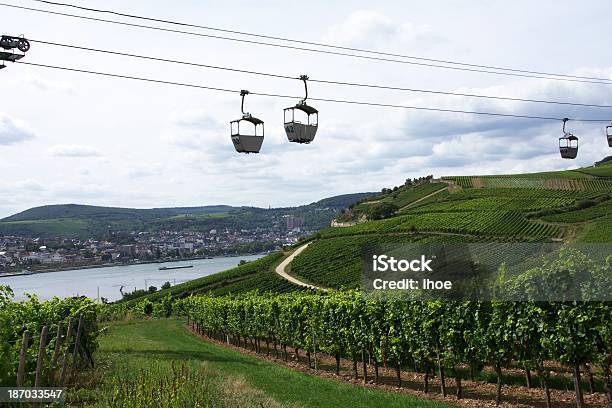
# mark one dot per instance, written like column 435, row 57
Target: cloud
column 13, row 131
column 47, row 85
column 197, row 119
column 442, row 140
column 27, row 185
column 74, row 151
column 201, row 134
column 369, row 29
column 145, row 171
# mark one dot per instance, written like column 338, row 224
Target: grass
column 67, row 227
column 604, row 170
column 131, row 348
column 407, row 195
column 597, row 231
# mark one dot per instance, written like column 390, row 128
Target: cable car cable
column 366, row 57
column 270, row 37
column 343, row 101
column 323, row 81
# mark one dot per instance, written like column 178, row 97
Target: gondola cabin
column 247, row 134
column 609, row 134
column 9, row 44
column 301, row 123
column 568, row 146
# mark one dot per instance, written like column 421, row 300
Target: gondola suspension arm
column 305, row 78
column 243, row 93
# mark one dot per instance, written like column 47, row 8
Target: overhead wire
column 342, row 101
column 319, row 44
column 323, row 81
column 603, row 81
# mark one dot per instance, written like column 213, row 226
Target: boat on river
column 167, row 268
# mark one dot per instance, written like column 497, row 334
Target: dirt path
column 280, row 269
column 421, row 199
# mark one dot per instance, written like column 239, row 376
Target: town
column 26, row 254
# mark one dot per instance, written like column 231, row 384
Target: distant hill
column 46, row 212
column 86, row 221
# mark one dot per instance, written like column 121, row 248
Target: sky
column 68, row 137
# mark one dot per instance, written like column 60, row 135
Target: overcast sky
column 73, row 138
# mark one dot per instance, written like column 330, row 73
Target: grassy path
column 137, row 345
column 412, row 203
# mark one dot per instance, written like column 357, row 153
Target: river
column 106, row 282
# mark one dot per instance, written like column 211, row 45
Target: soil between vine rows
column 475, row 393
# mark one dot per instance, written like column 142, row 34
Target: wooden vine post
column 77, row 342
column 58, row 343
column 22, row 357
column 65, row 360
column 41, row 355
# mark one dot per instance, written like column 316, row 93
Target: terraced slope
column 542, row 207
column 585, row 179
column 400, row 198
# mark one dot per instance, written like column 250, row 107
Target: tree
column 379, row 211
column 166, row 285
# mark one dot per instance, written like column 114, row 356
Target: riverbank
column 114, row 264
column 107, row 281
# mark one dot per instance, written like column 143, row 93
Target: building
column 293, row 222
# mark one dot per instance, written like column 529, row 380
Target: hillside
column 85, row 221
column 567, row 206
column 513, row 208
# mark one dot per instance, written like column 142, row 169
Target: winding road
column 280, row 269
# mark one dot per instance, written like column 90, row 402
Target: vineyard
column 578, row 184
column 522, row 194
column 336, row 262
column 494, row 223
column 471, row 215
column 494, row 203
column 431, row 337
column 511, row 224
column 603, row 209
column 33, row 346
column 563, row 344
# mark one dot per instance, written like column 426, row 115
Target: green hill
column 86, row 221
column 566, row 206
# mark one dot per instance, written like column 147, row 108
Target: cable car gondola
column 249, row 141
column 303, row 129
column 568, row 144
column 8, row 44
column 609, row 134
